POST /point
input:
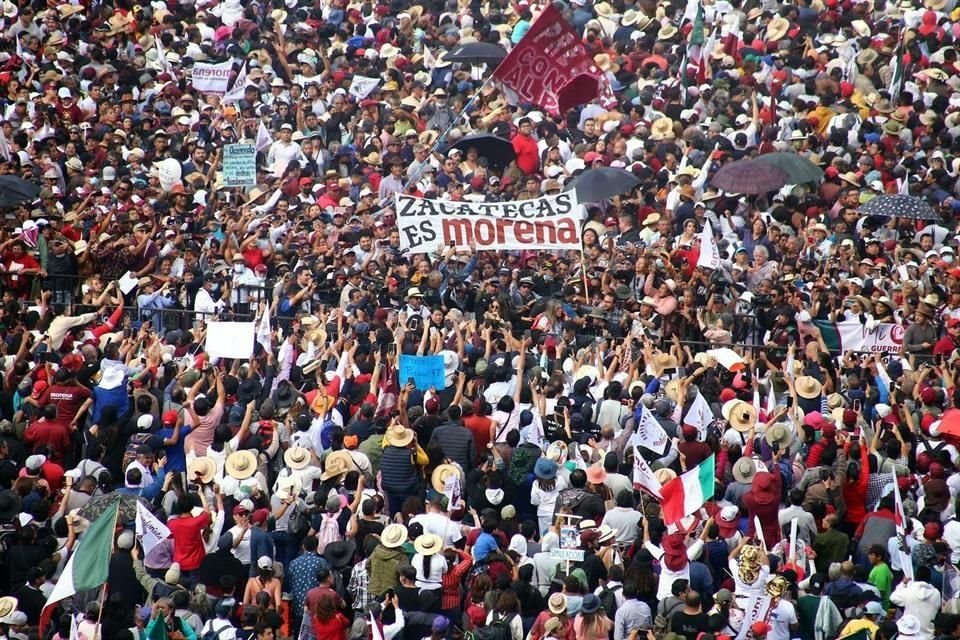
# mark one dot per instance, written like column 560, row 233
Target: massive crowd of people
column 311, row 491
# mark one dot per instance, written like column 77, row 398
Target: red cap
column 828, row 432
column 38, row 388
column 831, row 172
column 689, row 431
column 432, row 405
column 590, row 156
column 610, row 221
column 928, row 395
column 239, row 510
column 727, row 395
column 936, row 471
column 170, row 417
column 849, row 417
column 952, row 322
column 931, row 530
column 306, row 182
column 260, row 516
column 760, row 628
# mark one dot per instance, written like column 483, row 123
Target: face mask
column 238, row 268
column 547, row 278
column 947, row 257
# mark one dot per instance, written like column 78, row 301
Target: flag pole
column 103, row 588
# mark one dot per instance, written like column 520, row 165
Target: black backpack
column 498, row 629
column 608, row 600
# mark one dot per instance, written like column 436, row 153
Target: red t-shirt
column 480, row 428
column 68, row 398
column 333, row 629
column 42, row 433
column 188, row 549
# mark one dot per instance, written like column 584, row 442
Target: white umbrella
column 939, row 233
column 728, row 358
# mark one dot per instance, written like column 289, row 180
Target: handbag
column 299, row 524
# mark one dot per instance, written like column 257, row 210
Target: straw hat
column 440, row 475
column 743, row 417
column 666, row 32
column 808, row 387
column 297, row 457
column 428, row 544
column 205, row 466
column 778, row 434
column 288, row 486
column 399, row 436
column 241, row 464
column 557, row 603
column 777, row 29
column 393, row 536
column 337, row 464
column 665, row 360
column 606, row 63
column 744, row 470
column 8, row 604
column 672, row 390
column 664, row 476
column 661, row 128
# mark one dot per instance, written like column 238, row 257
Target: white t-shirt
column 242, row 551
column 784, row 615
column 438, row 567
column 439, row 525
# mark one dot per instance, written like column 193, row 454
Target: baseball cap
column 170, row 417
column 760, row 627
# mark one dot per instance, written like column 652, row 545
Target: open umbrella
column 950, row 422
column 594, row 185
column 798, row 167
column 939, row 233
column 477, row 53
column 750, row 176
column 14, row 190
column 901, row 206
column 98, row 504
column 498, row 151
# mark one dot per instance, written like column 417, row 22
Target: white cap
column 63, row 92
column 264, row 562
column 145, row 422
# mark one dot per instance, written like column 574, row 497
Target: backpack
column 298, row 524
column 499, row 629
column 329, row 531
column 661, row 624
column 215, row 635
column 608, row 600
column 326, row 431
column 130, row 452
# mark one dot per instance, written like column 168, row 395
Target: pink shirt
column 202, row 435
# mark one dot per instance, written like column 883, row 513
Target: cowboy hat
column 393, row 536
column 399, row 436
column 440, row 474
column 672, row 390
column 664, row 476
column 666, row 32
column 778, row 434
column 607, row 533
column 606, row 63
column 336, row 464
column 288, row 486
column 339, row 553
column 661, row 128
column 744, row 470
column 587, row 371
column 743, row 417
column 665, row 361
column 204, row 466
column 241, row 464
column 428, row 544
column 8, row 604
column 808, row 387
column 297, row 457
column 777, row 28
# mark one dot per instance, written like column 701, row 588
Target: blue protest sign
column 426, row 371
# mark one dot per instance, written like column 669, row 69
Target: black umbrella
column 901, row 206
column 750, row 176
column 798, row 167
column 98, row 504
column 498, row 151
column 477, row 53
column 594, row 185
column 14, row 190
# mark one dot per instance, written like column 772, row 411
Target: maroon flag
column 549, row 57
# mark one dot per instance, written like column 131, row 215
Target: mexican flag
column 687, row 493
column 89, row 565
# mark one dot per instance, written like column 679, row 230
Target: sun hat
column 204, row 466
column 590, row 604
column 557, row 603
column 664, row 476
column 297, row 457
column 545, row 469
column 288, row 486
column 428, row 544
column 399, row 436
column 393, row 536
column 339, row 553
column 744, row 470
column 743, row 416
column 808, row 387
column 439, row 476
column 8, row 604
column 241, row 464
column 778, row 434
column 336, row 464
column 596, row 474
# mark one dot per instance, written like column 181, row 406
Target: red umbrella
column 950, row 423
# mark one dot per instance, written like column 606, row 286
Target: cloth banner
column 552, row 222
column 212, row 78
column 549, row 56
column 150, row 529
column 361, row 87
column 643, row 477
column 709, row 253
column 236, row 92
column 757, row 610
column 851, row 335
column 239, row 165
column 264, row 332
column 230, row 339
column 700, row 416
column 648, row 431
column 426, row 371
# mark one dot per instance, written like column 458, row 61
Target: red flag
column 549, row 56
column 580, row 90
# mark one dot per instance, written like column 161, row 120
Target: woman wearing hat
column 556, row 610
column 430, row 569
column 544, row 492
column 591, row 623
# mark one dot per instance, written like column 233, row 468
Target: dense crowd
column 311, row 491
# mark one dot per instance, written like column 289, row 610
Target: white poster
column 230, row 339
column 758, row 607
column 361, row 87
column 235, row 94
column 451, row 489
column 643, row 475
column 884, row 337
column 542, row 223
column 150, row 530
column 699, row 416
column 709, row 253
column 648, row 432
column 212, row 78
